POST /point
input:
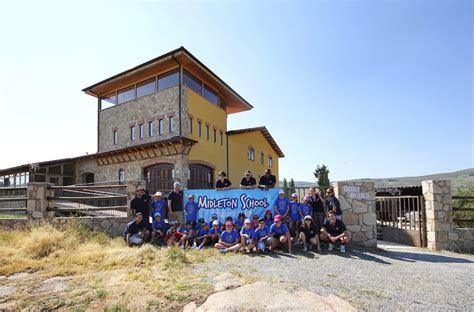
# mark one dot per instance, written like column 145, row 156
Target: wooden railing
column 463, row 210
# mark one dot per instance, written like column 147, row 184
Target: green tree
column 322, row 177
column 285, row 186
column 462, row 204
column 292, row 187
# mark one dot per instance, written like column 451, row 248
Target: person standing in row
column 223, row 183
column 248, row 182
column 175, row 203
column 141, row 204
column 333, row 203
column 317, row 203
column 267, row 181
column 160, row 205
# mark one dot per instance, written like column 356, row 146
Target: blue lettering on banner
column 230, row 203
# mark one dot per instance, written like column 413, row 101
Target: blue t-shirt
column 305, row 210
column 294, row 211
column 214, row 231
column 203, row 232
column 259, row 233
column 269, row 222
column 239, row 223
column 281, row 205
column 159, row 206
column 159, row 226
column 334, row 202
column 250, row 232
column 183, row 230
column 191, row 211
column 283, row 229
column 230, row 238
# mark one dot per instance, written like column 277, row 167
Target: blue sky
column 369, row 88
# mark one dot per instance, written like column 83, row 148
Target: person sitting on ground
column 229, row 239
column 255, row 222
column 267, row 181
column 282, row 205
column 173, row 237
column 280, row 234
column 223, row 183
column 305, row 208
column 159, row 204
column 333, row 203
column 262, row 233
column 248, row 182
column 334, row 231
column 268, row 218
column 158, row 230
column 294, row 215
column 309, row 234
column 136, row 231
column 203, row 236
column 185, row 231
column 215, row 232
column 192, row 234
column 247, row 237
column 239, row 223
column 191, row 209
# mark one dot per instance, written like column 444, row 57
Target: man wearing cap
column 136, row 231
column 248, row 182
column 175, row 203
column 159, row 205
column 141, row 204
column 268, row 180
column 280, row 234
column 191, row 208
column 223, row 183
column 158, row 229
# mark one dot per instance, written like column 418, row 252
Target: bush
column 43, row 241
column 176, row 256
column 463, row 203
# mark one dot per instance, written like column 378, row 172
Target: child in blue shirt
column 262, row 233
column 159, row 229
column 203, row 236
column 282, row 205
column 215, row 232
column 159, row 205
column 183, row 229
column 214, row 218
column 191, row 208
column 229, row 239
column 247, row 237
column 268, row 218
column 305, row 208
column 239, row 223
column 294, row 215
column 280, row 234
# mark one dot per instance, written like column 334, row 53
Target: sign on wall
column 354, row 192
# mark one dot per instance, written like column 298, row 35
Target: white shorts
column 135, row 239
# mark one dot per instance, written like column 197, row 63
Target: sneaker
column 343, row 249
column 223, row 251
column 200, row 247
column 330, row 247
column 305, row 248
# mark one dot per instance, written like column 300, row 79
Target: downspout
column 99, row 108
column 227, row 153
column 179, row 93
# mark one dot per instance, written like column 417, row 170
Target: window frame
column 251, row 153
column 115, row 137
column 160, row 126
column 141, row 131
column 132, row 133
column 121, row 176
column 150, row 129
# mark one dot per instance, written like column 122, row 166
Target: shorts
column 262, row 244
column 135, row 239
column 339, row 217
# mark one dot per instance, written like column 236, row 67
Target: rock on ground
column 7, row 290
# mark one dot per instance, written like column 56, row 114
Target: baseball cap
column 140, row 188
column 158, row 194
column 278, row 218
column 157, row 215
column 214, row 215
column 294, row 195
column 268, row 212
column 191, row 196
column 201, row 220
column 308, row 218
column 215, row 222
column 255, row 217
column 228, row 223
column 281, row 192
column 247, row 221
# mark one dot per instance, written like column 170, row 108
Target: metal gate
column 401, row 219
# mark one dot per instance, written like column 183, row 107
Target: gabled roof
column 265, row 133
column 234, row 102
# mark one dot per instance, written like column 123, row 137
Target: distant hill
column 459, row 179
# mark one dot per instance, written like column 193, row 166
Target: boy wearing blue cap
column 191, row 209
column 159, row 229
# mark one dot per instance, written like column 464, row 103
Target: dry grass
column 101, row 272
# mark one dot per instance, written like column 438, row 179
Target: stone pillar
column 37, row 202
column 181, row 170
column 358, row 211
column 438, row 206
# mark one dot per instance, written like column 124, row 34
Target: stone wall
column 358, row 211
column 149, row 108
column 461, row 239
column 114, row 226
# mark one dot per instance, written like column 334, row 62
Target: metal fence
column 13, row 201
column 401, row 212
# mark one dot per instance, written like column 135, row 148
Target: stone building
column 162, row 121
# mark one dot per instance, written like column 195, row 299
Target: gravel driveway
column 396, row 279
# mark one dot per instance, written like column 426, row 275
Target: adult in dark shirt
column 222, row 183
column 333, row 203
column 248, row 182
column 334, row 231
column 317, row 203
column 268, row 180
column 136, row 231
column 141, row 204
column 309, row 234
column 175, row 203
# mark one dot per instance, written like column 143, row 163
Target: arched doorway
column 87, row 178
column 159, row 178
column 200, row 177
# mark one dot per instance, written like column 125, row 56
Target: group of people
column 288, row 222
